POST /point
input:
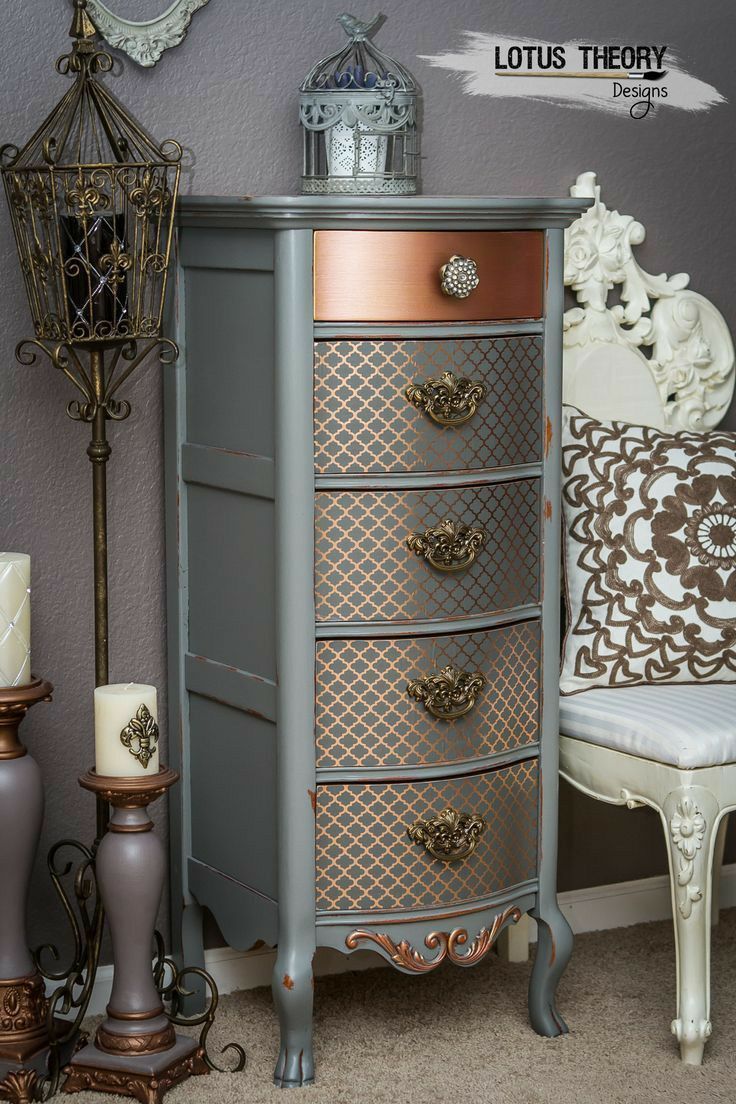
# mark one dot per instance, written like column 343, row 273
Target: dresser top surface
column 380, row 212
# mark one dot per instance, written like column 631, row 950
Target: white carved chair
column 673, row 747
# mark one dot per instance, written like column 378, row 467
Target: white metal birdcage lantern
column 358, row 110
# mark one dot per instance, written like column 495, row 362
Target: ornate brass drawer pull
column 449, row 693
column 449, row 546
column 449, row 837
column 448, row 400
column 459, row 277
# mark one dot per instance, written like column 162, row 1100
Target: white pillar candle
column 15, row 619
column 126, row 730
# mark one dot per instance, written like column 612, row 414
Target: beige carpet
column 459, row 1036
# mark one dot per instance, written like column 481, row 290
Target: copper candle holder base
column 136, row 1051
column 145, row 1077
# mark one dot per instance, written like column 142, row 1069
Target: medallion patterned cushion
column 650, row 554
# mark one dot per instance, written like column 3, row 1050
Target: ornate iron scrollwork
column 459, row 277
column 451, row 836
column 448, row 400
column 449, row 546
column 449, row 693
column 169, row 981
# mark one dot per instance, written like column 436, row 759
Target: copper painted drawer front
column 364, row 570
column 366, row 861
column 366, row 718
column 363, row 421
column 394, row 276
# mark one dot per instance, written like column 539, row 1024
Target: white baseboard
column 625, row 903
column 594, row 909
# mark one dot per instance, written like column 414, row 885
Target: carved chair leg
column 554, row 947
column 293, row 992
column 691, row 816
column 717, row 868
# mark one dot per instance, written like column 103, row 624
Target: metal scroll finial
column 82, row 27
column 357, row 30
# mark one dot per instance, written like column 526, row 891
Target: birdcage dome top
column 88, row 126
column 359, row 66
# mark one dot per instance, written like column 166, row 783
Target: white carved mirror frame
column 144, row 41
column 687, row 379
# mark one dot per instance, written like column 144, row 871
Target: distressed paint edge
column 351, row 630
column 175, row 535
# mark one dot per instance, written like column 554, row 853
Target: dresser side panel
column 232, row 778
column 224, row 534
column 231, row 579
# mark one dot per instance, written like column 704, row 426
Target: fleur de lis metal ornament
column 151, row 196
column 116, row 263
column 140, row 736
column 85, row 197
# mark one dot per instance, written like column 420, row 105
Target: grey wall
column 229, row 95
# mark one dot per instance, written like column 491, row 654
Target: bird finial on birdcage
column 357, row 30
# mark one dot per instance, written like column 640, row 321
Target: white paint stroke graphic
column 475, row 63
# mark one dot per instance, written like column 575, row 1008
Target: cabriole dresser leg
column 293, row 993
column 554, row 947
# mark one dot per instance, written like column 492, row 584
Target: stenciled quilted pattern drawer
column 364, row 570
column 366, row 860
column 365, row 716
column 364, row 422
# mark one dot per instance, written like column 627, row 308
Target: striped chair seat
column 684, row 725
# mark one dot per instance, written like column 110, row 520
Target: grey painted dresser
column 363, row 526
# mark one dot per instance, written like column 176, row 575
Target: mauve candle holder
column 136, row 1051
column 24, row 1029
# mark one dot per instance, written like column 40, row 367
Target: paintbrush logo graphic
column 649, row 75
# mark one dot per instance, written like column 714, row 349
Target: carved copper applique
column 446, row 944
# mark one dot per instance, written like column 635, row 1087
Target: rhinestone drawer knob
column 449, row 546
column 448, row 400
column 449, row 837
column 459, row 277
column 449, row 693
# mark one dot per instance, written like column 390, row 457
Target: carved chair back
column 662, row 356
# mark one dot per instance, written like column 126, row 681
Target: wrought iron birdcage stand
column 92, row 199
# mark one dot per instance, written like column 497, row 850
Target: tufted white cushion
column 686, row 726
column 650, row 554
